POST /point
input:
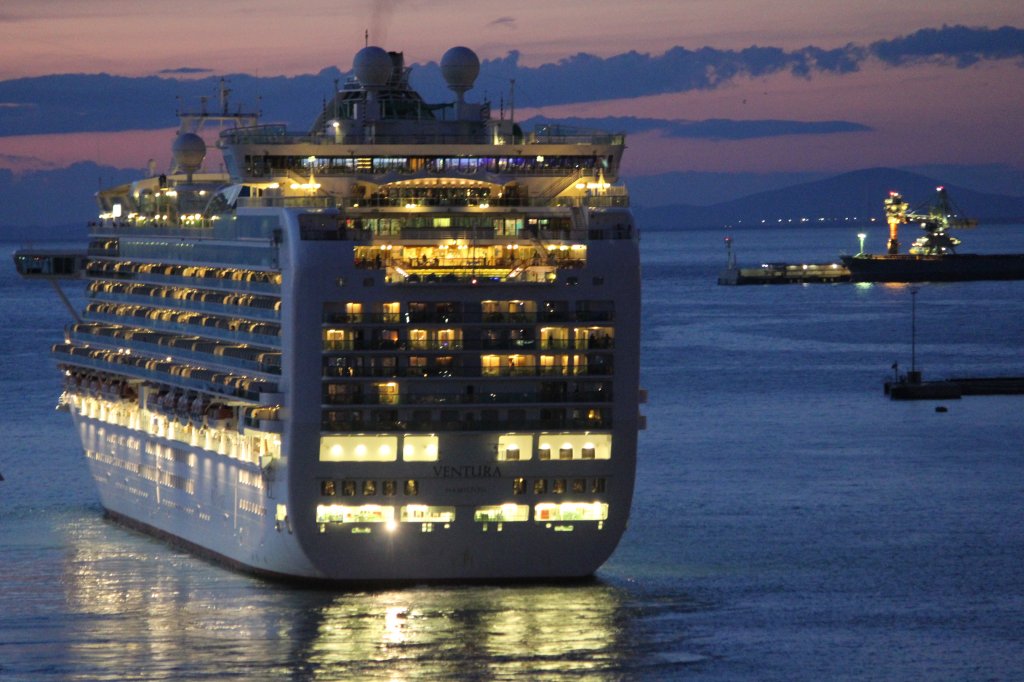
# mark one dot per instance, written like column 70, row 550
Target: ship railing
column 487, row 206
column 554, row 133
column 275, row 134
column 403, row 205
column 207, row 228
column 230, row 285
column 604, row 344
column 483, row 397
column 268, row 366
column 466, row 423
column 206, row 331
column 287, row 202
column 191, row 305
column 330, row 229
column 438, row 371
column 463, row 317
column 482, row 267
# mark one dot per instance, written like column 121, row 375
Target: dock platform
column 786, row 273
column 954, row 388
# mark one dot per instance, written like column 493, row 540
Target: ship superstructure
column 401, row 346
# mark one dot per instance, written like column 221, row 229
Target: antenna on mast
column 512, row 100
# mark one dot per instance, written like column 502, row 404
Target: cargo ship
column 933, row 256
column 401, row 345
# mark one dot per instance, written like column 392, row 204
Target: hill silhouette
column 850, row 197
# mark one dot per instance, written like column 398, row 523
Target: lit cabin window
column 518, row 485
column 348, row 488
column 540, row 486
column 570, row 511
column 422, row 513
column 412, row 487
column 369, row 487
column 576, row 446
column 390, row 312
column 388, row 488
column 579, row 485
column 558, row 486
column 337, row 339
column 327, row 488
column 359, row 448
column 449, row 338
column 387, row 393
column 515, row 446
column 502, row 513
column 490, row 365
column 418, row 339
column 420, row 448
column 543, row 451
column 364, row 513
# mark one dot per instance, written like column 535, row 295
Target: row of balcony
column 238, row 307
column 208, row 353
column 100, row 270
column 218, row 333
column 465, row 422
column 201, row 379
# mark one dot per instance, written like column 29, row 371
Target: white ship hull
column 222, row 509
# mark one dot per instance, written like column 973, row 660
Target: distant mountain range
column 854, row 197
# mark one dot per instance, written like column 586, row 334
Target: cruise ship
column 399, row 346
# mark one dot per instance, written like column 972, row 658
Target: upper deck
column 379, row 166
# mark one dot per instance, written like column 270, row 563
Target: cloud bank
column 710, row 129
column 100, row 102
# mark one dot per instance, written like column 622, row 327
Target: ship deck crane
column 934, row 220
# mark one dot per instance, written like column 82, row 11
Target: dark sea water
column 790, row 523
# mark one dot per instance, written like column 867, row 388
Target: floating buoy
column 942, row 408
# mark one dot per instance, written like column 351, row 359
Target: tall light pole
column 861, row 236
column 913, row 332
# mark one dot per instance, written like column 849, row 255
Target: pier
column 911, row 387
column 781, row 273
column 786, row 273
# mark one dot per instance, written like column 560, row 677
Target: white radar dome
column 372, row 66
column 189, row 150
column 460, row 66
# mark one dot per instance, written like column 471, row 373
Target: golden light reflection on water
column 135, row 605
column 485, row 632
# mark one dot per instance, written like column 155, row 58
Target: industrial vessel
column 402, row 345
column 933, row 256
